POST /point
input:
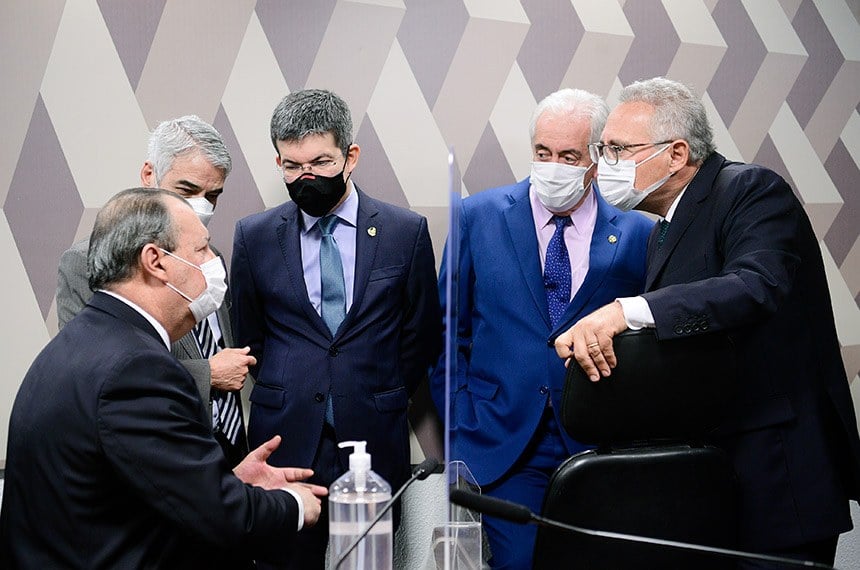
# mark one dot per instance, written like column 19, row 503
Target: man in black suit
column 111, row 458
column 735, row 252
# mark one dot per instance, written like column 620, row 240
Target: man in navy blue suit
column 534, row 257
column 735, row 252
column 335, row 293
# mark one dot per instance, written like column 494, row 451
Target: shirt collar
column 159, row 328
column 579, row 218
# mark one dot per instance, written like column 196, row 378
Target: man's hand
column 590, row 341
column 255, row 471
column 229, row 368
column 310, row 495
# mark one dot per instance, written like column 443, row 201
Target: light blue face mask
column 616, row 181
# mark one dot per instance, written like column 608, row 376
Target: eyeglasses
column 612, row 152
column 323, row 167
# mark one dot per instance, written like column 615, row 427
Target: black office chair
column 651, row 474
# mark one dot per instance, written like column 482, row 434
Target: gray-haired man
column 188, row 157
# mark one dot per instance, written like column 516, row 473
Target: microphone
column 521, row 514
column 421, row 472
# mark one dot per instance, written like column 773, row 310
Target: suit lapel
column 688, row 209
column 365, row 251
column 523, row 239
column 288, row 234
column 605, row 241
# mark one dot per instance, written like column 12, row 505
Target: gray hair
column 309, row 112
column 576, row 102
column 184, row 135
column 129, row 221
column 678, row 114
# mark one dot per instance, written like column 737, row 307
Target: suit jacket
column 506, row 364
column 112, row 463
column 380, row 353
column 740, row 256
column 73, row 292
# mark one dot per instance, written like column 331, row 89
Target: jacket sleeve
column 756, row 241
column 420, row 337
column 73, row 289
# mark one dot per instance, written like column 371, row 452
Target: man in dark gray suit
column 188, row 157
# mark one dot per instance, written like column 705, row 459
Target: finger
column 244, row 349
column 294, row 474
column 263, row 452
column 251, row 361
column 563, row 344
column 608, row 350
column 580, row 352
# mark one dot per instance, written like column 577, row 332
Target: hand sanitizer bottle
column 354, row 501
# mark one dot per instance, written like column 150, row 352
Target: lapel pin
column 371, row 231
column 612, row 239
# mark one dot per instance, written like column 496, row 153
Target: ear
column 151, row 263
column 352, row 158
column 679, row 153
column 147, row 176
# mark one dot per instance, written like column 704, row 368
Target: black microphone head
column 425, row 468
column 492, row 506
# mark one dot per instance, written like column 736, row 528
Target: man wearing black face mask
column 335, row 293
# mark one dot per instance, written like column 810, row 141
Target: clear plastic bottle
column 354, row 501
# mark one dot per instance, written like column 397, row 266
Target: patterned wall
column 85, row 80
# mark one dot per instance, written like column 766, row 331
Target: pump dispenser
column 354, row 500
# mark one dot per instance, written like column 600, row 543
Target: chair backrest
column 678, row 492
column 650, row 476
column 673, row 389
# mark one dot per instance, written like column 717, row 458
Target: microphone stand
column 522, row 515
column 421, row 472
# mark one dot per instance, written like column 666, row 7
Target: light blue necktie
column 556, row 273
column 333, row 305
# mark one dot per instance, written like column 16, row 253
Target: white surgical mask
column 616, row 182
column 203, row 208
column 216, row 287
column 559, row 187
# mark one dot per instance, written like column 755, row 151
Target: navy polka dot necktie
column 556, row 274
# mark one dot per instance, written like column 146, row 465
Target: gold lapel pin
column 612, row 239
column 371, row 231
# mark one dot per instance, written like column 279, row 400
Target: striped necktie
column 226, row 416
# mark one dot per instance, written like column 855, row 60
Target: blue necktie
column 662, row 231
column 556, row 274
column 333, row 305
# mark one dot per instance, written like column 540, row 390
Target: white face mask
column 203, row 208
column 559, row 187
column 616, row 182
column 216, row 287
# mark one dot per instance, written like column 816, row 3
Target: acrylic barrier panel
column 456, row 545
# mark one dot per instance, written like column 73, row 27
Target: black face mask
column 318, row 195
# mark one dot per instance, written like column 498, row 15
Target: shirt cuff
column 637, row 313
column 298, row 499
